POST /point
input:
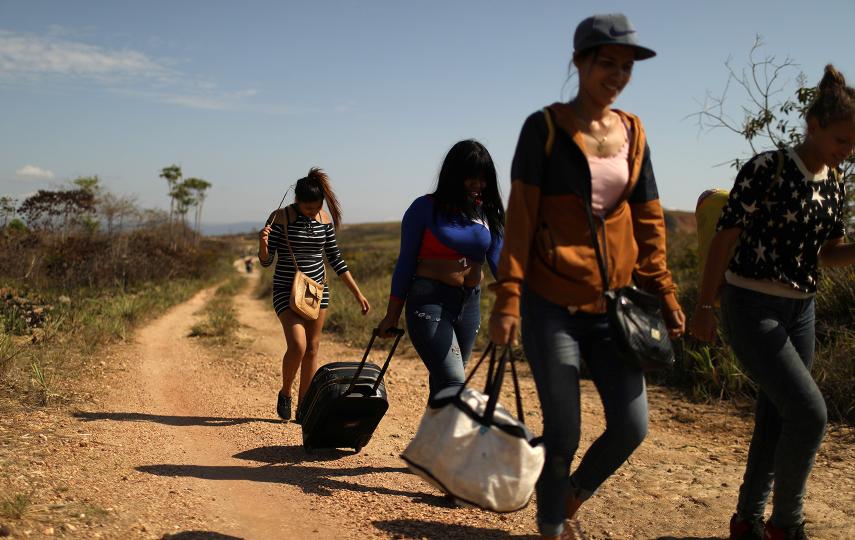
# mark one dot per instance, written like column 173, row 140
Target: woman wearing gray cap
column 571, row 156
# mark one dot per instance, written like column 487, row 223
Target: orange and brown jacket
column 547, row 236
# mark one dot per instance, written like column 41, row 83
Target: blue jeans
column 555, row 342
column 773, row 338
column 443, row 322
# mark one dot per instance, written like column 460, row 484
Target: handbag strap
column 601, row 264
column 288, row 243
column 399, row 333
column 586, row 197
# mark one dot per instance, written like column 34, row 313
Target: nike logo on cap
column 614, row 32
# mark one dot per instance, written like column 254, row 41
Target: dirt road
column 180, row 440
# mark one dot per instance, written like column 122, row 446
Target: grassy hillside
column 62, row 296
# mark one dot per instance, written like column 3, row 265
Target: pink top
column 609, row 177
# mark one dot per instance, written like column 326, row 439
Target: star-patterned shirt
column 784, row 220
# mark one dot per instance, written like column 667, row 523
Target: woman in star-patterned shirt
column 781, row 226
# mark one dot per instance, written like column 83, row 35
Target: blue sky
column 250, row 94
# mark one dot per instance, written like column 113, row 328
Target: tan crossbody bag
column 306, row 293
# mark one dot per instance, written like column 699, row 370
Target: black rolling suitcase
column 345, row 402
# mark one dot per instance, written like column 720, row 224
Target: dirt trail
column 180, row 441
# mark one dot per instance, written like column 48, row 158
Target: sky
column 249, row 95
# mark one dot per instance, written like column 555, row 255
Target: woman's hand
column 263, row 237
column 388, row 322
column 676, row 322
column 503, row 329
column 363, row 303
column 703, row 325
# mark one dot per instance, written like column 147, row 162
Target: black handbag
column 635, row 316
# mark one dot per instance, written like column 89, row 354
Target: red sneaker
column 793, row 533
column 745, row 530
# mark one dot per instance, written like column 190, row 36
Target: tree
column 197, row 188
column 769, row 119
column 183, row 201
column 92, row 184
column 114, row 209
column 7, row 209
column 172, row 175
column 49, row 210
column 151, row 218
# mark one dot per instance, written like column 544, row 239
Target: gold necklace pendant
column 601, row 144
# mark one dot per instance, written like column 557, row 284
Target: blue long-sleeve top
column 428, row 234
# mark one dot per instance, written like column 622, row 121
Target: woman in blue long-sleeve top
column 446, row 237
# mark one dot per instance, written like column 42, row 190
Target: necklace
column 601, row 142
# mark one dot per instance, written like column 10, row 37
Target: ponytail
column 834, row 100
column 314, row 187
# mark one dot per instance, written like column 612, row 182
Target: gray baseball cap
column 609, row 29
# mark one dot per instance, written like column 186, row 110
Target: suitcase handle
column 399, row 333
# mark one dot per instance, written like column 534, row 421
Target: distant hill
column 675, row 221
column 221, row 229
column 680, row 221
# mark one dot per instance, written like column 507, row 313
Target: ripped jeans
column 442, row 322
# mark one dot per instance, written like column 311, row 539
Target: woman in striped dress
column 311, row 235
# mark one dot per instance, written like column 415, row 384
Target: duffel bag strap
column 495, row 379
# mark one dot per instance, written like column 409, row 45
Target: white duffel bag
column 473, row 449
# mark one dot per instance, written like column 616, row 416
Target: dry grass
column 706, row 373
column 15, row 506
column 53, row 321
column 220, row 317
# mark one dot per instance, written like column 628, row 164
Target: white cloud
column 61, row 53
column 28, row 55
column 196, row 102
column 208, row 96
column 32, row 172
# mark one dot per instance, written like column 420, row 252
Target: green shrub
column 220, row 318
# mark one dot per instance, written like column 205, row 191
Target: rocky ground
column 176, row 438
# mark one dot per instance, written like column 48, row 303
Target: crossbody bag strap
column 586, row 196
column 601, row 264
column 287, row 242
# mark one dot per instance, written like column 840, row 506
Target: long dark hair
column 834, row 100
column 315, row 187
column 469, row 159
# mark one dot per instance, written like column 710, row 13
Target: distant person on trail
column 549, row 285
column 248, row 264
column 782, row 227
column 446, row 238
column 312, row 235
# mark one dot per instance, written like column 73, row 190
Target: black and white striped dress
column 310, row 240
